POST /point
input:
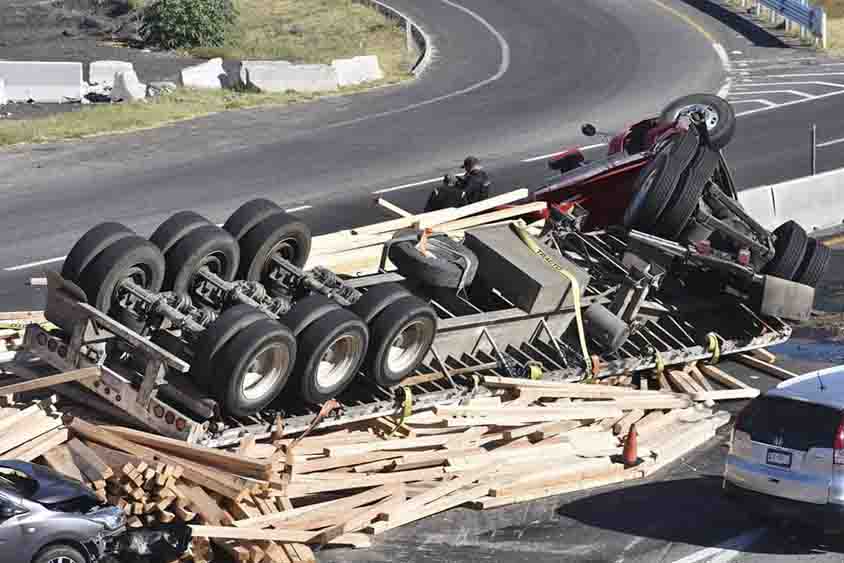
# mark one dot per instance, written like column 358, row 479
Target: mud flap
column 787, row 299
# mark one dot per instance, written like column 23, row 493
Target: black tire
column 248, row 215
column 281, row 234
column 814, row 263
column 378, row 298
column 721, row 130
column 207, row 246
column 306, row 311
column 651, row 192
column 790, row 248
column 433, row 270
column 133, row 257
column 410, row 317
column 56, row 552
column 90, row 245
column 688, row 193
column 230, row 384
column 339, row 327
column 176, row 228
column 217, row 335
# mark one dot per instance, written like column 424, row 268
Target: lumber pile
column 358, row 251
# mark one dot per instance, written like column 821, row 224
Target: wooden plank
column 296, row 490
column 561, row 389
column 575, row 470
column 363, row 517
column 27, row 429
column 726, row 394
column 392, row 207
column 19, row 415
column 722, row 377
column 446, row 488
column 343, row 461
column 677, row 378
column 208, row 456
column 340, row 511
column 391, row 445
column 39, row 446
column 699, row 378
column 534, row 414
column 622, row 427
column 51, row 380
column 770, row 369
column 492, row 216
column 61, row 460
column 203, row 505
column 275, row 534
column 429, row 220
column 267, row 520
column 764, row 355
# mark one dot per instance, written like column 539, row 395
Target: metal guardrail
column 417, row 39
column 811, row 20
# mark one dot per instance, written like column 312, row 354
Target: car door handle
column 30, row 530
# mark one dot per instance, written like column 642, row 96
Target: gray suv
column 47, row 518
column 786, row 457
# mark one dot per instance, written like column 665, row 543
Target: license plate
column 778, row 458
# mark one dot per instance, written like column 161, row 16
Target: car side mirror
column 7, row 511
column 588, row 129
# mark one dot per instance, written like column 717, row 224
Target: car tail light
column 838, row 445
column 744, row 256
column 703, row 246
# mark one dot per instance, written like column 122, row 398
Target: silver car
column 786, row 457
column 47, row 518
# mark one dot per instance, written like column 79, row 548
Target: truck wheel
column 209, row 247
column 688, row 193
column 217, row 335
column 248, row 215
column 331, row 351
column 132, row 258
column 280, row 235
column 435, row 269
column 814, row 263
column 718, row 114
column 175, row 228
column 651, row 192
column 59, row 554
column 305, row 311
column 789, row 250
column 90, row 245
column 253, row 367
column 376, row 299
column 400, row 338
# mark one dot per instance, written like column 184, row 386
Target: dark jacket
column 472, row 187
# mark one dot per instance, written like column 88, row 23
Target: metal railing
column 811, row 20
column 417, row 40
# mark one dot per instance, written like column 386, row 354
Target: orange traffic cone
column 630, row 454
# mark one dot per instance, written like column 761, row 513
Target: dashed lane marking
column 732, row 547
column 830, row 143
column 549, row 155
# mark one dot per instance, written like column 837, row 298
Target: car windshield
column 17, row 483
column 787, row 423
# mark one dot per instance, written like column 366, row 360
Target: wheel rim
column 265, row 371
column 286, row 249
column 710, row 114
column 338, row 360
column 408, row 345
column 61, row 559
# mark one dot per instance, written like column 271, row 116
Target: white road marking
column 806, row 75
column 410, row 185
column 34, row 264
column 792, row 103
column 60, row 258
column 830, row 143
column 799, row 83
column 792, row 92
column 736, row 52
column 722, row 54
column 549, row 155
column 754, row 101
column 503, row 66
column 732, row 546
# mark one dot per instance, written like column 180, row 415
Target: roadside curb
column 419, row 35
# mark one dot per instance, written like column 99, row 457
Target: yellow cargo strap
column 660, row 363
column 521, row 229
column 714, row 347
column 535, row 371
column 407, row 409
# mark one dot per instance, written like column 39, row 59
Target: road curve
column 508, row 78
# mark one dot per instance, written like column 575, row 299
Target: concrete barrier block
column 3, row 99
column 209, row 75
column 44, row 82
column 357, row 70
column 281, row 76
column 127, row 87
column 103, row 72
column 813, row 201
